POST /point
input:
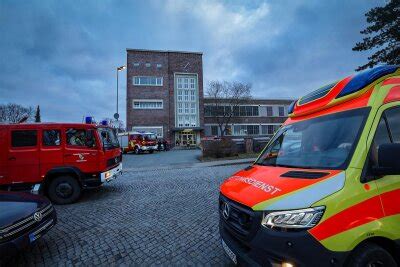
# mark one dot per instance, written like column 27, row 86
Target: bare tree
column 227, row 97
column 14, row 113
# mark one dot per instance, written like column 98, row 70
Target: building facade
column 165, row 94
column 252, row 118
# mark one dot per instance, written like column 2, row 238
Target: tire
column 137, row 151
column 369, row 254
column 64, row 190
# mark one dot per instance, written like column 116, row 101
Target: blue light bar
column 362, row 79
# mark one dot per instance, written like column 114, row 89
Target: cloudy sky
column 62, row 55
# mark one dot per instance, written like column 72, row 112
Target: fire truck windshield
column 108, row 137
column 150, row 137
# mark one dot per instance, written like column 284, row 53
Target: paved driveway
column 167, row 216
column 172, row 157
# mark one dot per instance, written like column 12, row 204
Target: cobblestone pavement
column 155, row 217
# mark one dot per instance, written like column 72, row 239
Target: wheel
column 371, row 255
column 64, row 190
column 137, row 150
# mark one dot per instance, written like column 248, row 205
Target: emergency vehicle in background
column 58, row 159
column 138, row 142
column 325, row 191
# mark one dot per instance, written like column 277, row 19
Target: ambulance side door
column 388, row 131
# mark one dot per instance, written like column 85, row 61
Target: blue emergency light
column 89, row 120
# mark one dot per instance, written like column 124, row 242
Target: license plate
column 229, row 252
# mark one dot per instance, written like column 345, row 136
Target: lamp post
column 121, row 68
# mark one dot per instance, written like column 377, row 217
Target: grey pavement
column 172, row 157
column 149, row 217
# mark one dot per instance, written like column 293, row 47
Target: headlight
column 298, row 219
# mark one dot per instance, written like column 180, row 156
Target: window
column 246, row 130
column 269, row 111
column 23, row 138
column 147, row 81
column 180, row 94
column 180, row 108
column 180, row 121
column 80, row 137
column 324, row 142
column 158, row 130
column 187, row 121
column 193, row 108
column 148, row 65
column 136, row 64
column 147, row 104
column 268, row 129
column 388, row 131
column 238, row 111
column 159, row 66
column 186, row 108
column 193, row 121
column 214, row 130
column 393, row 119
column 51, row 137
column 281, row 111
column 109, row 138
column 186, row 99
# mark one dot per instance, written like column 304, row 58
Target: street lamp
column 121, row 68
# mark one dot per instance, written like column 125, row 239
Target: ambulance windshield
column 325, row 142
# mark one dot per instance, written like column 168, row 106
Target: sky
column 63, row 54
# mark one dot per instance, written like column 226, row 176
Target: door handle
column 12, row 158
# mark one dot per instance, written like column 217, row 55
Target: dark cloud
column 63, row 54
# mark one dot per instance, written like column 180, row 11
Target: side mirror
column 388, row 160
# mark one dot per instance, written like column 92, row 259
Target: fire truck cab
column 57, row 159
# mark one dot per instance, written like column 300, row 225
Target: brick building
column 254, row 117
column 165, row 94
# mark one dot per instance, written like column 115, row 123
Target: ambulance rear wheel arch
column 374, row 250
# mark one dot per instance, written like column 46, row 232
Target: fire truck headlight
column 295, row 219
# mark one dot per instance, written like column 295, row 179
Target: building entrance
column 186, row 138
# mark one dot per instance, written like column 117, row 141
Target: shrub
column 219, row 148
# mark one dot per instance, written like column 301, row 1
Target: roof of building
column 162, row 51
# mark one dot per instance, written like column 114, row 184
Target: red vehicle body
column 57, row 159
column 138, row 142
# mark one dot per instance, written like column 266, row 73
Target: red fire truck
column 57, row 159
column 138, row 142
